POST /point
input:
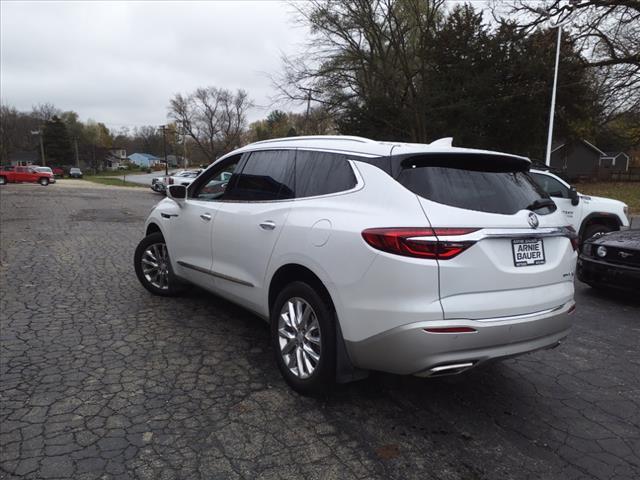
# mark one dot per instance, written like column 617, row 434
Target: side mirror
column 573, row 195
column 177, row 192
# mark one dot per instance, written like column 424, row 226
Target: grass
column 113, row 181
column 627, row 192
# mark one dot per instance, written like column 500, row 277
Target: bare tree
column 367, row 56
column 608, row 34
column 45, row 112
column 215, row 118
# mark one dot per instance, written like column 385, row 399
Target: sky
column 120, row 62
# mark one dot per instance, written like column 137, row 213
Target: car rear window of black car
column 486, row 183
column 322, row 173
column 267, row 175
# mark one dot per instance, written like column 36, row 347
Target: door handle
column 206, row 216
column 268, row 225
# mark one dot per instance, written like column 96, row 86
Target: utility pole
column 552, row 110
column 547, row 159
column 184, row 145
column 164, row 143
column 44, row 161
column 39, row 132
column 75, row 142
column 306, row 118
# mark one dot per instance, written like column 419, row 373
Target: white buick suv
column 363, row 255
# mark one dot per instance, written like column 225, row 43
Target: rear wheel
column 153, row 267
column 303, row 337
column 595, row 229
column 3, row 180
column 44, row 182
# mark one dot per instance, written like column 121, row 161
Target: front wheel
column 303, row 338
column 595, row 229
column 153, row 267
column 44, row 182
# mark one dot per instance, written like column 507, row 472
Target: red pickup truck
column 25, row 174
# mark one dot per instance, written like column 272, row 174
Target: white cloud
column 120, row 62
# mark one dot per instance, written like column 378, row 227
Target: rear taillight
column 418, row 242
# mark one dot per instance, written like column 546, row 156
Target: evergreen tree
column 56, row 142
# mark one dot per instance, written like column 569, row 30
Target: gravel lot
column 101, row 380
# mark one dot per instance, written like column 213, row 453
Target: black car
column 611, row 260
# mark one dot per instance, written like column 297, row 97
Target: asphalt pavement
column 100, row 379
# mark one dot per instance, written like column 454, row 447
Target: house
column 115, row 157
column 177, row 161
column 580, row 158
column 23, row 158
column 617, row 161
column 145, row 159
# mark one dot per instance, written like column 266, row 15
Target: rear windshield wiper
column 540, row 203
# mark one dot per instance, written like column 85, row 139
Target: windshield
column 483, row 186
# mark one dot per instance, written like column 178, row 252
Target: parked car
column 184, row 177
column 157, row 184
column 58, row 172
column 411, row 259
column 29, row 174
column 47, row 170
column 75, row 173
column 587, row 214
column 611, row 260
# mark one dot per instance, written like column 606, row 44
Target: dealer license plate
column 527, row 251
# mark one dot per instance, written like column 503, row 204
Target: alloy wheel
column 299, row 337
column 155, row 265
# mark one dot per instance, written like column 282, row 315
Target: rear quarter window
column 484, row 184
column 322, row 173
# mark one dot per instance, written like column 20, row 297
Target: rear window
column 482, row 183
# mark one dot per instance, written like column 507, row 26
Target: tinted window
column 482, row 186
column 320, row 173
column 550, row 185
column 267, row 175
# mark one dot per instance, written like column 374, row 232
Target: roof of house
column 560, row 145
column 615, row 154
column 148, row 156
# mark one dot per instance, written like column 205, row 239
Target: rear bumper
column 598, row 272
column 410, row 350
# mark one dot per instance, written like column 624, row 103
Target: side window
column 267, row 175
column 321, row 173
column 550, row 185
column 214, row 183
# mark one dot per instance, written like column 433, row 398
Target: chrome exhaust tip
column 450, row 369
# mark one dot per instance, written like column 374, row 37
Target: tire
column 317, row 337
column 44, row 182
column 165, row 283
column 3, row 181
column 591, row 230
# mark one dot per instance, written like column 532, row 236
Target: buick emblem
column 533, row 220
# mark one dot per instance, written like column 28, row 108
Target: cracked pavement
column 100, row 379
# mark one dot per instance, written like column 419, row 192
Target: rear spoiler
column 483, row 162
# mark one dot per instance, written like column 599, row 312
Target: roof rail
column 348, row 138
